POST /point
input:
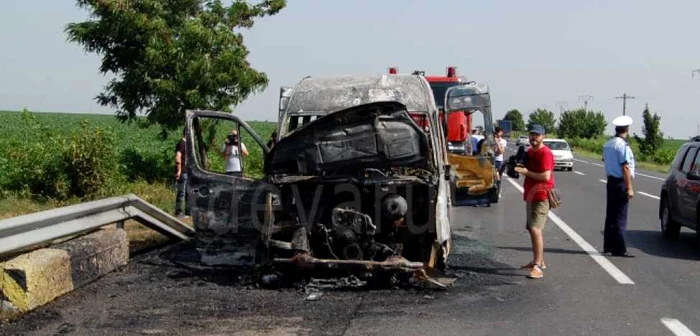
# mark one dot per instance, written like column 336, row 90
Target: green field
column 35, row 147
column 128, row 136
column 673, row 144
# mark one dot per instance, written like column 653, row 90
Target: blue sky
column 532, row 53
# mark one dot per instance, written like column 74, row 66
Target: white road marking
column 593, row 163
column 600, row 259
column 579, row 173
column 649, row 176
column 676, row 327
column 604, row 181
column 640, row 174
column 648, row 195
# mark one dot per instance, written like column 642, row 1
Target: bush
column 59, row 166
column 594, row 145
column 137, row 164
column 662, row 156
column 36, row 170
column 89, row 160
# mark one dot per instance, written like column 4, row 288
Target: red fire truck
column 458, row 126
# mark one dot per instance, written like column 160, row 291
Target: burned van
column 356, row 181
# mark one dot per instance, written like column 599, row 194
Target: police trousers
column 615, row 216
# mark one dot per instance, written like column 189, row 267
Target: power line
column 624, row 102
column 585, row 99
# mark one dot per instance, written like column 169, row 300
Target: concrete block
column 38, row 277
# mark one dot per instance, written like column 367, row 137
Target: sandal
column 532, row 264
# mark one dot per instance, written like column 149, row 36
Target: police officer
column 619, row 167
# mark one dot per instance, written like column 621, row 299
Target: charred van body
column 356, row 181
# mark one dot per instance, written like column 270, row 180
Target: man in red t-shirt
column 539, row 178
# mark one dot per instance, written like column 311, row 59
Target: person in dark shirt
column 181, row 178
column 273, row 140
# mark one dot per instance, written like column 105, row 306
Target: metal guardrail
column 22, row 232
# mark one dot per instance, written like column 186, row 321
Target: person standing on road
column 181, row 178
column 232, row 154
column 619, row 167
column 500, row 149
column 539, row 179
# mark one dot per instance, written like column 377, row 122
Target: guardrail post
column 120, row 225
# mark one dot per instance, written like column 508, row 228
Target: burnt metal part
column 378, row 135
column 394, row 207
column 300, row 240
column 318, row 96
column 307, row 261
column 353, row 225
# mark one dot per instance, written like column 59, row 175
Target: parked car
column 563, row 154
column 523, row 140
column 680, row 193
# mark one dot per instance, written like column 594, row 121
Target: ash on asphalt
column 166, row 292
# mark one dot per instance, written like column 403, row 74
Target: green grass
column 144, row 162
column 673, row 144
column 643, row 165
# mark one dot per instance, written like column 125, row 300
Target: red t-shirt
column 538, row 161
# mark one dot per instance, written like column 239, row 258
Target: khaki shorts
column 537, row 214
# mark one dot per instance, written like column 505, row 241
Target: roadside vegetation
column 49, row 160
column 585, row 132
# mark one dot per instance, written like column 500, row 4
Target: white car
column 563, row 155
column 523, row 140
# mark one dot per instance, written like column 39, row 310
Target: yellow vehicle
column 475, row 179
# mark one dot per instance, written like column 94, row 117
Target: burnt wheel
column 669, row 227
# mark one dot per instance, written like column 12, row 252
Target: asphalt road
column 582, row 293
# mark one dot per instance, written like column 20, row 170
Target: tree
column 596, row 124
column 580, row 123
column 543, row 117
column 653, row 137
column 516, row 118
column 168, row 56
column 572, row 123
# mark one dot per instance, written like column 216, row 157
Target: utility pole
column 562, row 105
column 624, row 102
column 585, row 99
